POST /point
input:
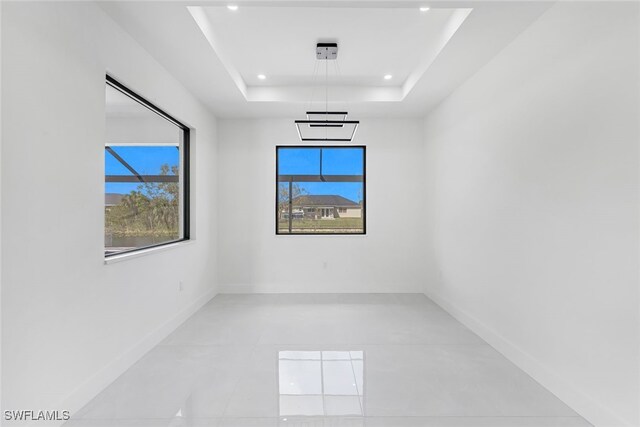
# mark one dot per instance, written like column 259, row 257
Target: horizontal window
column 146, row 171
column 320, row 190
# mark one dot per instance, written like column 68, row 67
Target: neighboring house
column 112, row 199
column 323, row 207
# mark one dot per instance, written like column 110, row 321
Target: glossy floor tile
column 324, row 360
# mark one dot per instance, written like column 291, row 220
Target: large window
column 320, row 190
column 146, row 174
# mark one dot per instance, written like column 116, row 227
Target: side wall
column 1, row 405
column 533, row 198
column 253, row 259
column 71, row 324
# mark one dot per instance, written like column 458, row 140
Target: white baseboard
column 584, row 405
column 101, row 379
column 327, row 289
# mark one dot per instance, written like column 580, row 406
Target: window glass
column 145, row 201
column 321, row 190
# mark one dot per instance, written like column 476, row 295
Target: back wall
column 253, row 259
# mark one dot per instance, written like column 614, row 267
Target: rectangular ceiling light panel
column 327, row 126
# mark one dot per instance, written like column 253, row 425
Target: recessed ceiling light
column 262, row 76
column 424, row 9
column 388, row 77
column 232, row 7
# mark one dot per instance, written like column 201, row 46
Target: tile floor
column 324, row 360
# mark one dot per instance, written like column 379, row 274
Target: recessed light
column 424, row 9
column 388, row 77
column 232, row 7
column 262, row 76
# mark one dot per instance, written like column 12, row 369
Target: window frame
column 185, row 166
column 364, row 189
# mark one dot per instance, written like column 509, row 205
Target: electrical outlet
column 180, row 286
column 324, row 264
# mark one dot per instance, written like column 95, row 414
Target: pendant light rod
column 326, row 85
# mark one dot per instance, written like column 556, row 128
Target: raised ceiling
column 279, row 43
column 218, row 53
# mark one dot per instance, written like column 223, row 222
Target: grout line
column 355, row 381
column 324, row 405
column 306, row 345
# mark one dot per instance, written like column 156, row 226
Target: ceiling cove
column 269, row 51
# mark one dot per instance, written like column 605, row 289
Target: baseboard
column 295, row 289
column 584, row 405
column 99, row 381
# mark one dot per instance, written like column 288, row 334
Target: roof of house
column 112, row 199
column 329, row 200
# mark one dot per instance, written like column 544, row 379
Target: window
column 146, row 174
column 320, row 190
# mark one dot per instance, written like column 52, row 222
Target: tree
column 283, row 196
column 151, row 210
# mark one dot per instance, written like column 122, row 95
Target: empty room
column 320, row 213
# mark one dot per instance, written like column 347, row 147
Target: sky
column 335, row 161
column 291, row 161
column 145, row 160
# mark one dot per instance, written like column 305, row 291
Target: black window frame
column 364, row 189
column 185, row 167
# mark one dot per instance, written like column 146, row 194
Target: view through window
column 320, row 190
column 145, row 201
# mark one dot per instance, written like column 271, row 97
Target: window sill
column 144, row 252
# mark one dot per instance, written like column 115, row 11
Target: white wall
column 71, row 323
column 1, row 405
column 252, row 258
column 533, row 200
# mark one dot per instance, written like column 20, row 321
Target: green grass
column 133, row 232
column 321, row 224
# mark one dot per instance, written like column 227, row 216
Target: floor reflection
column 321, row 383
